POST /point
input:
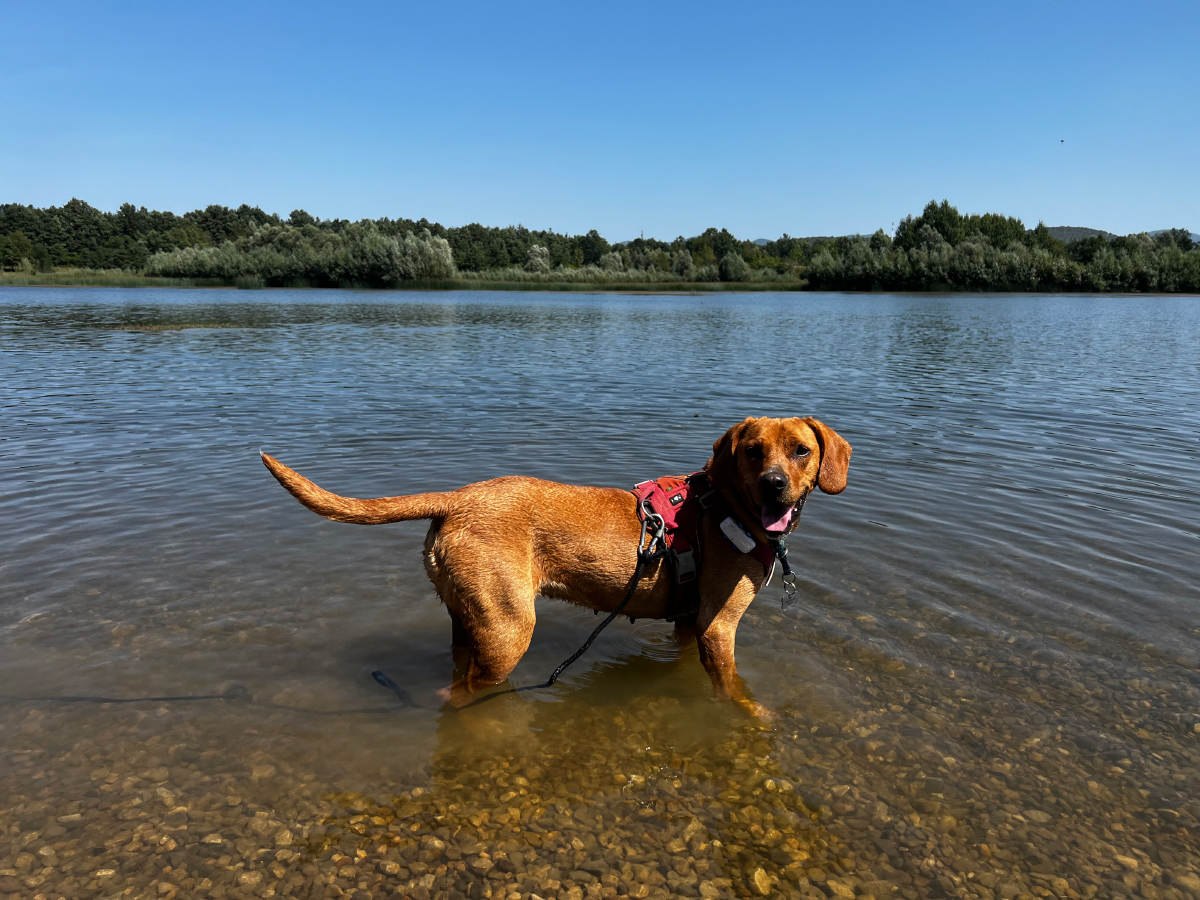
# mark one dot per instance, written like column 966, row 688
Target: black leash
column 236, row 694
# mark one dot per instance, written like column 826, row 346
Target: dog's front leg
column 723, row 600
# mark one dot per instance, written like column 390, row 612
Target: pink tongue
column 777, row 524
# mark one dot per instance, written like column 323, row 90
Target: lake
column 989, row 685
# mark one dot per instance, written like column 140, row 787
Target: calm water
column 990, row 685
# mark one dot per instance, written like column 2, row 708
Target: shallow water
column 990, row 685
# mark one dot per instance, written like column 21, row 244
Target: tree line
column 941, row 249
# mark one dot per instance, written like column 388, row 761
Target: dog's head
column 772, row 464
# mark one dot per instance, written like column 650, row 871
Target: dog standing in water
column 494, row 546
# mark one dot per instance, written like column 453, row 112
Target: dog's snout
column 773, row 482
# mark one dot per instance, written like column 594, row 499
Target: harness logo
column 676, row 499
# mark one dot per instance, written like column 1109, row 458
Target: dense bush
column 734, row 268
column 538, row 259
column 1138, row 263
column 280, row 255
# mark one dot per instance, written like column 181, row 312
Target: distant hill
column 1068, row 233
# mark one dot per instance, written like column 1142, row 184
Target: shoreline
column 674, row 289
column 666, row 287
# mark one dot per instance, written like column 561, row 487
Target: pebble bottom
column 988, row 770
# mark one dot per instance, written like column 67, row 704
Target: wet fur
column 493, row 546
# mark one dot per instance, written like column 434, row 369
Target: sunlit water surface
column 989, row 685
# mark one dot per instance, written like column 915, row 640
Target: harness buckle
column 685, row 566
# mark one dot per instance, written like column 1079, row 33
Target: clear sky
column 805, row 118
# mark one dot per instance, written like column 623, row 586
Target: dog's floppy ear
column 835, row 457
column 722, row 468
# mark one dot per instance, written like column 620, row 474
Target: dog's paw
column 766, row 718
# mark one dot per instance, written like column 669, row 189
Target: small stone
column 250, row 878
column 1036, row 815
column 104, row 873
column 837, row 889
column 694, row 828
column 1127, row 861
column 480, row 865
column 159, row 774
column 262, row 772
column 387, row 867
column 283, row 838
column 761, row 882
column 213, row 838
column 71, row 819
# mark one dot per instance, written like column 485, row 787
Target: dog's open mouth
column 776, row 517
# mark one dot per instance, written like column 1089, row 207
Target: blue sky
column 766, row 118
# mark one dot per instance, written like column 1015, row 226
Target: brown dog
column 493, row 546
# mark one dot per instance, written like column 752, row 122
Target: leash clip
column 789, row 591
column 656, row 546
column 789, row 578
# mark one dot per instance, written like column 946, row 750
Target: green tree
column 1177, row 237
column 593, row 247
column 20, row 247
column 734, row 268
column 538, row 259
column 682, row 265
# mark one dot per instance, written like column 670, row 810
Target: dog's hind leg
column 494, row 622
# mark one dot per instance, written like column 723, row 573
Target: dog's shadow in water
column 646, row 674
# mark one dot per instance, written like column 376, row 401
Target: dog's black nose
column 773, row 482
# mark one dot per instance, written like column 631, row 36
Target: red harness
column 681, row 502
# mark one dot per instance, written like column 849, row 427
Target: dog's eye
column 754, row 452
column 802, row 451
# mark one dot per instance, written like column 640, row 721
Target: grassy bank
column 101, row 278
column 123, row 279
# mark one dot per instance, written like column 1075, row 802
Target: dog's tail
column 359, row 512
